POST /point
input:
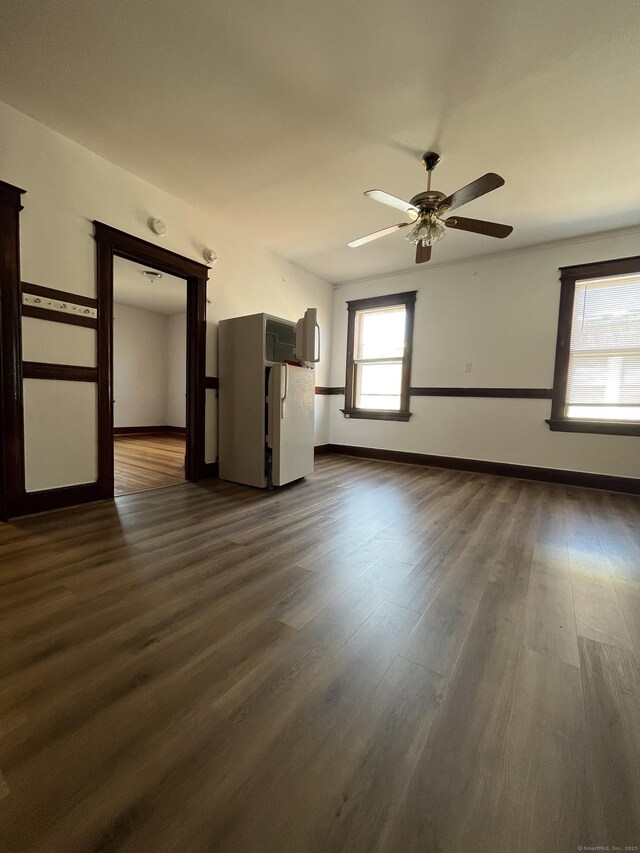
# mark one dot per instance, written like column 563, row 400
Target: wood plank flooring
column 147, row 461
column 380, row 658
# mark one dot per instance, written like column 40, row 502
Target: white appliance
column 266, row 403
column 308, row 337
column 290, row 411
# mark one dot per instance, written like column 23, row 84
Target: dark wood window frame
column 408, row 300
column 568, row 277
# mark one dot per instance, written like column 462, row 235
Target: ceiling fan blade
column 423, row 253
column 391, row 200
column 475, row 189
column 479, row 226
column 362, row 240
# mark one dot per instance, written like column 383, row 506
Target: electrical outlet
column 467, row 367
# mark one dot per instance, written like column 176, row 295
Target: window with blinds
column 603, row 380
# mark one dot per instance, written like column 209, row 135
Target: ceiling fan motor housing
column 428, row 201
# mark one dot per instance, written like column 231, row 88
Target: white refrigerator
column 266, row 402
column 290, row 414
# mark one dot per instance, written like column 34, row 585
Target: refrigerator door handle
column 286, row 388
column 317, row 358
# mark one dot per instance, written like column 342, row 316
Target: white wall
column 501, row 315
column 149, row 367
column 140, row 372
column 176, row 370
column 57, row 446
column 58, row 343
column 67, row 188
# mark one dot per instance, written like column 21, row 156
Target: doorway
column 149, row 377
column 114, row 247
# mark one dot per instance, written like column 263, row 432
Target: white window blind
column 603, row 381
column 378, row 355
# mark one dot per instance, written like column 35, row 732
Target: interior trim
column 210, row 469
column 594, row 427
column 376, row 414
column 62, row 372
column 513, row 393
column 148, row 430
column 62, row 295
column 600, row 269
column 213, row 382
column 111, row 242
column 48, row 499
column 418, row 391
column 11, row 408
column 568, row 278
column 408, row 300
column 368, row 302
column 58, row 317
column 608, row 482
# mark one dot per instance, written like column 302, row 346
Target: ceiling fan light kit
column 427, row 208
column 427, row 230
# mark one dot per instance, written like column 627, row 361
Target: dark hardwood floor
column 147, row 461
column 379, row 658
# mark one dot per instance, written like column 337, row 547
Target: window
column 379, row 341
column 597, row 377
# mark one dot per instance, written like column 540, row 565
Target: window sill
column 603, row 427
column 376, row 414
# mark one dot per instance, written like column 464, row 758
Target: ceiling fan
column 426, row 210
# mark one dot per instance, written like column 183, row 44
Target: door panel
column 291, row 420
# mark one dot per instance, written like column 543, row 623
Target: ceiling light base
column 430, row 160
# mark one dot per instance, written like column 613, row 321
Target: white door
column 291, row 403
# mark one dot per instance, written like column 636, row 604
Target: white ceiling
column 280, row 115
column 167, row 296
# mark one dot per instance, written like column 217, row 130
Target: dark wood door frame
column 112, row 243
column 12, row 435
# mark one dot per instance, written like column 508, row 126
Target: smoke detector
column 157, row 226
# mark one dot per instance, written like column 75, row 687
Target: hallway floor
column 144, row 462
